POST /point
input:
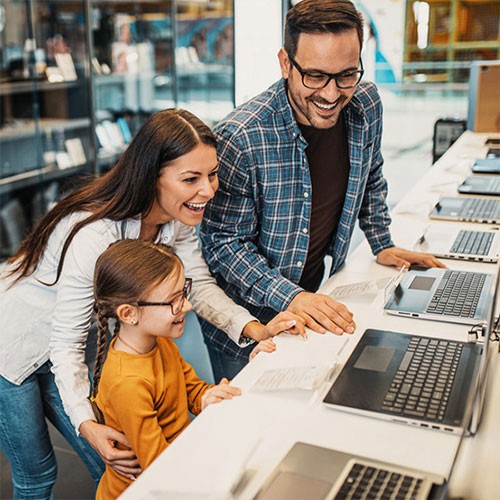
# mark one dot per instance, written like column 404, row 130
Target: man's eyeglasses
column 319, row 80
column 176, row 303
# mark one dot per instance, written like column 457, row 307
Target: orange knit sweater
column 147, row 397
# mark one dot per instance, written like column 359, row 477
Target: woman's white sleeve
column 71, row 322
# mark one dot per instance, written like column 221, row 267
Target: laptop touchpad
column 422, row 283
column 292, row 485
column 375, row 358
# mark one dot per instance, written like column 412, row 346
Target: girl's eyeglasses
column 176, row 303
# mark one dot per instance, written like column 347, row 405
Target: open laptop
column 492, row 141
column 467, row 209
column 481, row 184
column 442, row 295
column 427, row 382
column 309, row 472
column 451, row 242
column 487, row 166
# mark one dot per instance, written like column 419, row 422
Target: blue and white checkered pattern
column 255, row 233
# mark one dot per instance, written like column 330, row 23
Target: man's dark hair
column 321, row 16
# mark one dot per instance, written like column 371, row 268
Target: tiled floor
column 407, row 145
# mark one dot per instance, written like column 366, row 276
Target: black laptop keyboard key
column 472, row 243
column 421, row 386
column 368, row 482
column 458, row 294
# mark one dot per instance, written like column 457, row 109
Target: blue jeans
column 223, row 365
column 24, row 434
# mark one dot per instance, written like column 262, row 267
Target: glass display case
column 150, row 55
column 46, row 133
column 132, row 45
column 204, row 58
column 79, row 77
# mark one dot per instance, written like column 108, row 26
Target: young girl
column 145, row 389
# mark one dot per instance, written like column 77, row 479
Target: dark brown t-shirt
column 328, row 156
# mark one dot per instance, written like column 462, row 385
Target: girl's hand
column 284, row 322
column 263, row 346
column 218, row 393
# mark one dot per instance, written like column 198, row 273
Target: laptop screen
column 480, row 392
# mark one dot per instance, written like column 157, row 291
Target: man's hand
column 321, row 313
column 399, row 257
column 104, row 440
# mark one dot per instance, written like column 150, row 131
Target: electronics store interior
column 340, row 340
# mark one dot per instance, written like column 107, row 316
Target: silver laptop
column 451, row 242
column 488, row 165
column 481, row 184
column 467, row 209
column 422, row 381
column 446, row 295
column 310, row 472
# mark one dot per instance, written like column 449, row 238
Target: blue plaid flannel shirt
column 255, row 232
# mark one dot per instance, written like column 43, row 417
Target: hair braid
column 102, row 330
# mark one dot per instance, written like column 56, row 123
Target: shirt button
column 305, row 231
column 306, row 195
column 299, row 264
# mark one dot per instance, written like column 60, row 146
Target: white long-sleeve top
column 37, row 317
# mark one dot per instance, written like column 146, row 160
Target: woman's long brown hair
column 127, row 190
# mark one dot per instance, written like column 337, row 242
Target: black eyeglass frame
column 183, row 296
column 330, row 76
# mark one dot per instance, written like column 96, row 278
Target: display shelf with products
column 79, row 77
column 132, row 45
column 46, row 130
column 442, row 35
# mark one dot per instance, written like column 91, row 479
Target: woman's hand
column 104, row 440
column 218, row 393
column 263, row 346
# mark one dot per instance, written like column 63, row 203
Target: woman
column 157, row 191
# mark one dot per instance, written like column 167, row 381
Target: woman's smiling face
column 185, row 186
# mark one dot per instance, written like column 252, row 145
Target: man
column 298, row 165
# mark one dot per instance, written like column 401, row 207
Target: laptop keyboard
column 493, row 186
column 480, row 208
column 369, row 482
column 472, row 243
column 422, row 384
column 457, row 294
